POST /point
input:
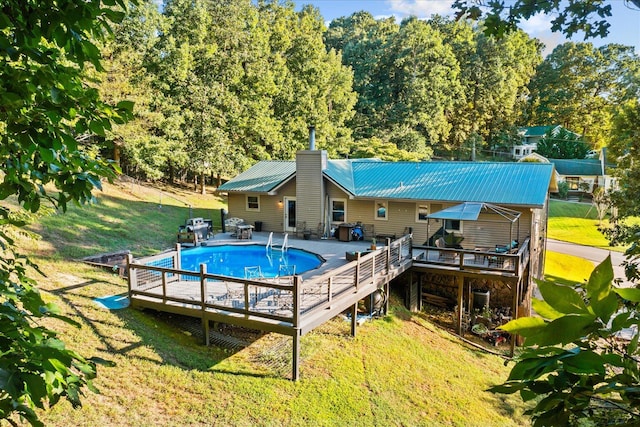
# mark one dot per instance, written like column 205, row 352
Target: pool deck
column 332, row 250
column 289, row 305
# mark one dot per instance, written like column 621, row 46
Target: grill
column 195, row 229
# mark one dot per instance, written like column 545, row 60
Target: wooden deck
column 294, row 306
column 286, row 305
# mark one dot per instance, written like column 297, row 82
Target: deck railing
column 476, row 259
column 281, row 300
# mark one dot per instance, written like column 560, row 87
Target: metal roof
column 524, row 184
column 578, row 167
column 532, row 131
column 496, row 183
column 263, row 177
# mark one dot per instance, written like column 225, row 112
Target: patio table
column 244, row 231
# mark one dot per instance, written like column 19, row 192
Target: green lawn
column 577, row 223
column 400, row 370
column 566, row 269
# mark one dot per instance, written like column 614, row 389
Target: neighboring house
column 530, row 137
column 394, row 198
column 582, row 175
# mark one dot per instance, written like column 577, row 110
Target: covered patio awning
column 470, row 211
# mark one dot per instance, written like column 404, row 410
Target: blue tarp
column 113, row 302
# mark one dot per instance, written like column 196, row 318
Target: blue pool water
column 249, row 261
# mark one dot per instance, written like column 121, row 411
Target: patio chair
column 301, row 226
column 445, row 256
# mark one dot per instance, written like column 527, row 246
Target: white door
column 290, row 214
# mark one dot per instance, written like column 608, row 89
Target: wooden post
column 131, row 280
column 295, row 372
column 296, row 301
column 178, row 262
column 164, row 287
column 388, row 254
column 460, row 306
column 357, row 277
column 420, row 280
column 386, row 297
column 354, row 318
column 245, row 287
column 411, row 246
column 203, row 288
column 515, row 294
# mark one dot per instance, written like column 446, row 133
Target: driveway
column 595, row 255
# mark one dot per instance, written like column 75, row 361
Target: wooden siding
column 271, row 210
column 490, row 230
column 310, row 193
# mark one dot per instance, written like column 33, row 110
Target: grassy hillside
column 400, row 370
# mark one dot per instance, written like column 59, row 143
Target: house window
column 381, row 210
column 338, row 210
column 517, row 151
column 574, row 182
column 453, row 225
column 253, row 203
column 422, row 211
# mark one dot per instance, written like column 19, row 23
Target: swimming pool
column 249, row 261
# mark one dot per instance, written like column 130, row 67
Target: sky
column 625, row 19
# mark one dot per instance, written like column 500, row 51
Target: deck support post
column 205, row 330
column 203, row 308
column 295, row 362
column 460, row 299
column 419, row 291
column 516, row 302
column 386, row 297
column 354, row 318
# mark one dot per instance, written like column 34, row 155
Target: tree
column 575, row 365
column 578, row 86
column 426, row 80
column 602, row 202
column 52, row 124
column 588, row 17
column 625, row 147
column 143, row 145
column 562, row 144
column 364, row 42
column 494, row 74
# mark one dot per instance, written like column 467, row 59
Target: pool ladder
column 283, row 247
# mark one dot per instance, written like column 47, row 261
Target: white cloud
column 538, row 23
column 420, row 8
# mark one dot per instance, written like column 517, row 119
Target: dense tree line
column 219, row 85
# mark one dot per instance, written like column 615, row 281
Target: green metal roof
column 579, row 167
column 497, row 183
column 263, row 177
column 539, row 131
column 536, row 130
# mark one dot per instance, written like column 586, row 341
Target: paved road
column 596, row 255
